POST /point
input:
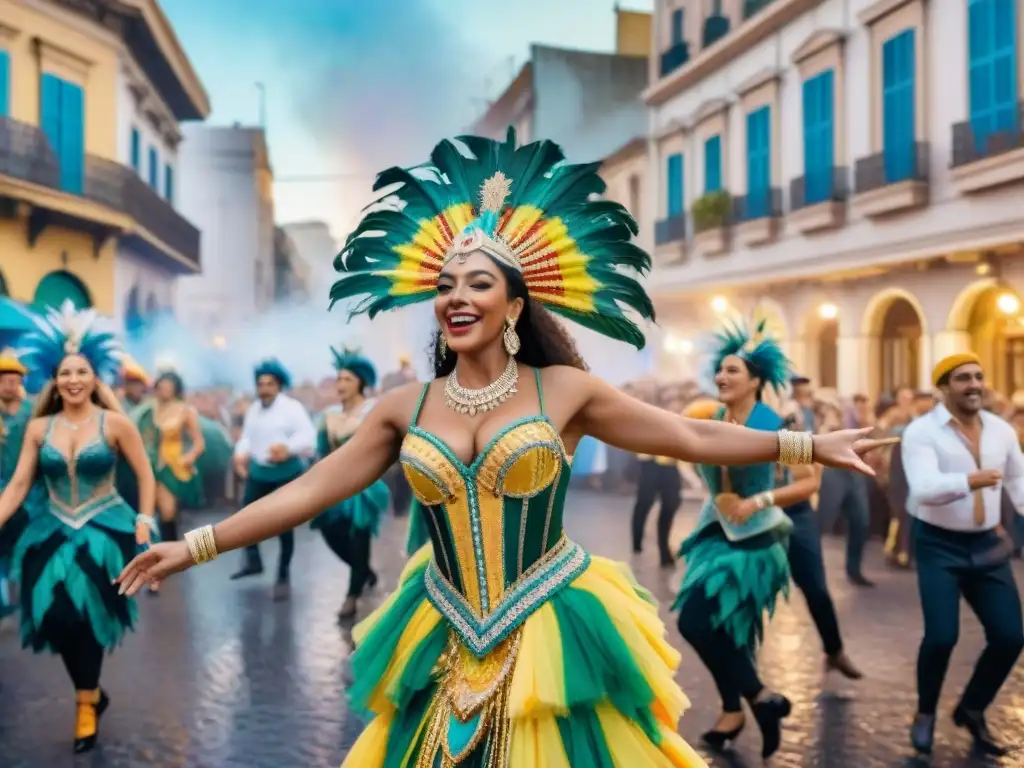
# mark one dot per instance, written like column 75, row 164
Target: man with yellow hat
column 135, row 381
column 958, row 458
column 15, row 414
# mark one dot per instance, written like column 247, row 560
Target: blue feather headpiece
column 64, row 332
column 350, row 360
column 273, row 367
column 761, row 352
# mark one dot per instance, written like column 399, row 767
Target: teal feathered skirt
column 360, row 512
column 742, row 579
column 66, row 578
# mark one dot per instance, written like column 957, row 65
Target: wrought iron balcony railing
column 26, row 154
column 675, row 57
column 988, row 136
column 826, row 185
column 670, row 230
column 760, row 204
column 907, row 162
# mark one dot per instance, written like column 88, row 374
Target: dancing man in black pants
column 958, row 459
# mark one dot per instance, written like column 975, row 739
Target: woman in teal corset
column 349, row 526
column 506, row 644
column 736, row 562
column 84, row 533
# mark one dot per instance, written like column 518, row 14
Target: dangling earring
column 442, row 345
column 510, row 338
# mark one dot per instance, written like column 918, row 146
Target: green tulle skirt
column 418, row 532
column 743, row 579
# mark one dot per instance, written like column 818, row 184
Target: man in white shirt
column 957, row 459
column 277, row 442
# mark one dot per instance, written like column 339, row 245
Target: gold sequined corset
column 495, row 525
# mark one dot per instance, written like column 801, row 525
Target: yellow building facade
column 65, row 200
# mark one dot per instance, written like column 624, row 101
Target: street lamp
column 828, row 311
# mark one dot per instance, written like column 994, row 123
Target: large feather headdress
column 520, row 205
column 68, row 331
column 757, row 348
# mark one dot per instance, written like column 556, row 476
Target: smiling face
column 734, row 382
column 473, row 303
column 76, row 380
column 966, row 388
column 348, row 385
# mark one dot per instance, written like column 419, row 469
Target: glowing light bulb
column 219, row 341
column 719, row 304
column 1008, row 304
column 828, row 311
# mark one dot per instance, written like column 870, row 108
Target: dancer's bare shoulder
column 397, row 406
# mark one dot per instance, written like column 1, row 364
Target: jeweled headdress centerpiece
column 523, row 206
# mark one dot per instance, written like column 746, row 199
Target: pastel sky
column 353, row 86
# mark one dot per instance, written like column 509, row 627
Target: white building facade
column 316, row 246
column 852, row 171
column 226, row 189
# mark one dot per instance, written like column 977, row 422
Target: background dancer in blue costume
column 349, row 526
column 736, row 556
column 277, row 442
column 74, row 546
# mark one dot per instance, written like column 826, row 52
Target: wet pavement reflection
column 219, row 676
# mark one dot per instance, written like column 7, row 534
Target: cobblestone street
column 218, row 676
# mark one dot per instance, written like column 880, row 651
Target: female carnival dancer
column 736, row 565
column 507, row 644
column 349, row 526
column 72, row 548
column 174, row 441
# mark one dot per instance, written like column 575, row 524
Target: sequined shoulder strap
column 419, row 405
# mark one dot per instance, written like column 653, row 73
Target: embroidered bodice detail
column 495, row 524
column 79, row 486
column 339, row 426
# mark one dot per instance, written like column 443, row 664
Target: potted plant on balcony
column 711, row 222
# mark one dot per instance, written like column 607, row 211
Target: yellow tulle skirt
column 586, row 680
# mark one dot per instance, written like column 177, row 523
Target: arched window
column 57, row 287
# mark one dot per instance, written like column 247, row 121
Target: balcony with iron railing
column 988, row 150
column 675, row 57
column 26, row 155
column 670, row 239
column 756, row 215
column 893, row 180
column 817, row 200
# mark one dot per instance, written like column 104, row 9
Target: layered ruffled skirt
column 586, row 680
column 66, row 577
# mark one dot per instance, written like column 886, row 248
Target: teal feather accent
column 596, row 265
column 350, row 360
column 271, row 366
column 762, row 353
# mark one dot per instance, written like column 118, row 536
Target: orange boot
column 91, row 705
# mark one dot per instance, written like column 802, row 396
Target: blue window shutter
column 5, row 84
column 758, row 162
column 136, row 149
column 811, row 153
column 992, row 68
column 674, row 181
column 72, row 137
column 819, row 133
column 898, row 108
column 169, row 183
column 713, row 164
column 49, row 111
column 154, row 168
column 677, row 26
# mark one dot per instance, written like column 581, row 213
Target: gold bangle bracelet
column 201, row 544
column 795, row 448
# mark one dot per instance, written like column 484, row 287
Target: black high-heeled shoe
column 769, row 713
column 720, row 740
column 86, row 743
column 371, row 580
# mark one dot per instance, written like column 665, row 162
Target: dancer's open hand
column 154, row 565
column 844, row 449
